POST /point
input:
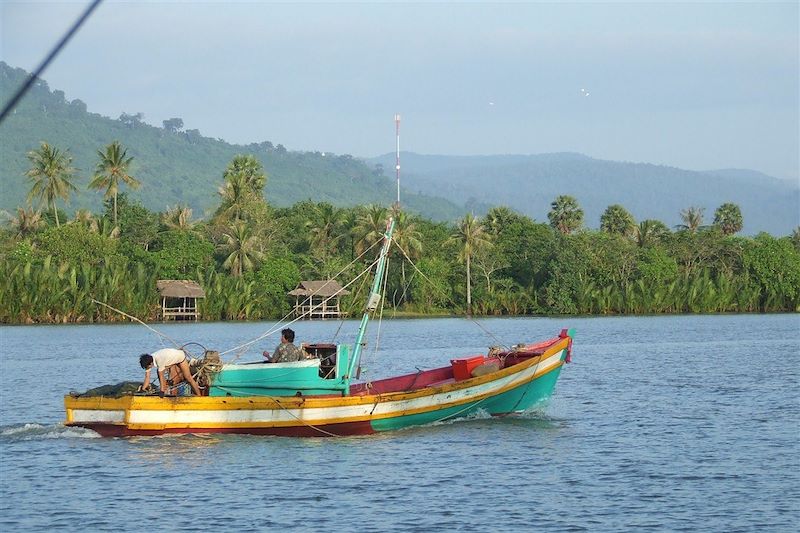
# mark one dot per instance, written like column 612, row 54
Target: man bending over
column 171, row 365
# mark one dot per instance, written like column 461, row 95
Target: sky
column 695, row 85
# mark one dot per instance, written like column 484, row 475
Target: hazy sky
column 693, row 85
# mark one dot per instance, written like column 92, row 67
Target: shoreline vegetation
column 248, row 254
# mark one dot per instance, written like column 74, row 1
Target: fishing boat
column 322, row 395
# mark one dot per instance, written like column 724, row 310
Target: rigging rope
column 279, row 324
column 177, row 345
column 426, row 278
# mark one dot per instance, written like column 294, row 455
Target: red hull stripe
column 326, row 430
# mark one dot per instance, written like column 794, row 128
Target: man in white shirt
column 170, row 365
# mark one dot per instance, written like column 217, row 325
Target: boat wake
column 34, row 431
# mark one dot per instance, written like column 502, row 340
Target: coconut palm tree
column 101, row 226
column 649, row 232
column 370, row 227
column 242, row 247
column 408, row 239
column 728, row 217
column 617, row 220
column 112, row 170
column 471, row 236
column 178, row 218
column 324, row 226
column 52, row 174
column 86, row 218
column 692, row 219
column 565, row 214
column 25, row 222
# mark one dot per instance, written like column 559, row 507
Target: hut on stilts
column 318, row 299
column 179, row 299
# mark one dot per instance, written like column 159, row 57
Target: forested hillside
column 177, row 165
column 529, row 183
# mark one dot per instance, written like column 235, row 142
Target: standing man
column 171, row 364
column 286, row 350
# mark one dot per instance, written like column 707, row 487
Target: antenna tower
column 397, row 163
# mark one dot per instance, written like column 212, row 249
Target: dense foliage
column 249, row 254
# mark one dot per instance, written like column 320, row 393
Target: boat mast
column 374, row 298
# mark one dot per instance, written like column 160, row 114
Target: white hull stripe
column 108, row 417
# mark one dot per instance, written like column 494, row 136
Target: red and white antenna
column 397, row 163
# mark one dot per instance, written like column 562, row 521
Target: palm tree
column 112, row 169
column 649, row 232
column 406, row 234
column 728, row 217
column 235, row 193
column 407, row 238
column 617, row 220
column 242, row 189
column 692, row 219
column 178, row 218
column 86, row 218
column 25, row 222
column 52, row 174
column 248, row 170
column 565, row 214
column 324, row 228
column 242, row 248
column 471, row 237
column 498, row 218
column 370, row 227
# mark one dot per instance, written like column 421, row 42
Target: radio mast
column 397, row 163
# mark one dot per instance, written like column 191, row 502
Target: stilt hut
column 179, row 299
column 318, row 299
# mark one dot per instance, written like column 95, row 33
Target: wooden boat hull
column 513, row 389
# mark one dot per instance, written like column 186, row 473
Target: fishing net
column 125, row 388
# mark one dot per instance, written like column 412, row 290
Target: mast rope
column 449, row 299
column 177, row 345
column 341, row 321
column 281, row 323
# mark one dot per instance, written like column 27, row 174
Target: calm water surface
column 663, row 423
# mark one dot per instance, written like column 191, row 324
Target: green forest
column 247, row 254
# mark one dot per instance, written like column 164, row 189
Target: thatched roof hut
column 318, row 299
column 319, row 288
column 179, row 298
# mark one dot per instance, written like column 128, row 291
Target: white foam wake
column 33, row 431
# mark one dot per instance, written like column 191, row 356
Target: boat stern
column 107, row 416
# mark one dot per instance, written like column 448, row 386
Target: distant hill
column 528, row 183
column 179, row 165
column 183, row 166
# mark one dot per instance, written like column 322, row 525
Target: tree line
column 247, row 254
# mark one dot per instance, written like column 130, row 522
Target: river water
column 664, row 423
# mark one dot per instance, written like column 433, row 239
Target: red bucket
column 462, row 368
